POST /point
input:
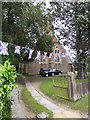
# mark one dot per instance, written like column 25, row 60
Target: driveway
column 37, row 80
column 67, row 113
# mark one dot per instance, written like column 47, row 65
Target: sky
column 71, row 53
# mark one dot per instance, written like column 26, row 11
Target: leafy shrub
column 7, row 83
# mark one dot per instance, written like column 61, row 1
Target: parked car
column 49, row 72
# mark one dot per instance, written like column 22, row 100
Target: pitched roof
column 54, row 41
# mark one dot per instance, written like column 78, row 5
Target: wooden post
column 72, row 87
column 69, row 88
column 27, row 68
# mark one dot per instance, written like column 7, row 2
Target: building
column 58, row 60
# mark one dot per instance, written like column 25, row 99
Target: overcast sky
column 69, row 51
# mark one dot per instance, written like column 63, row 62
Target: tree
column 88, row 63
column 73, row 25
column 25, row 24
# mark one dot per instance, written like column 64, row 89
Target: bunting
column 55, row 57
column 38, row 56
column 4, row 51
column 45, row 53
column 30, row 53
column 50, row 56
column 59, row 55
column 17, row 49
column 63, row 55
column 3, row 48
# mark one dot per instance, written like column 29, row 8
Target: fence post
column 72, row 86
column 69, row 88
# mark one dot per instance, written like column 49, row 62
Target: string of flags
column 4, row 51
column 17, row 49
column 3, row 48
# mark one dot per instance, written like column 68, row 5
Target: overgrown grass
column 32, row 105
column 81, row 104
column 47, row 88
column 60, row 81
column 63, row 81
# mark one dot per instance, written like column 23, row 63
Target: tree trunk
column 82, row 74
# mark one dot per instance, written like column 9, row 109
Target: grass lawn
column 47, row 88
column 32, row 105
column 63, row 82
column 81, row 104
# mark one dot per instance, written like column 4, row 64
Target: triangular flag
column 17, row 49
column 63, row 55
column 45, row 53
column 3, row 48
column 30, row 53
column 50, row 55
column 55, row 56
column 38, row 55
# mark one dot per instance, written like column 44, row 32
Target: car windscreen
column 46, row 69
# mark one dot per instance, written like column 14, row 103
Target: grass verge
column 32, row 105
column 47, row 88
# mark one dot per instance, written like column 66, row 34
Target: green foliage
column 32, row 104
column 81, row 104
column 61, row 81
column 88, row 63
column 47, row 87
column 45, row 43
column 25, row 24
column 7, row 83
column 75, row 18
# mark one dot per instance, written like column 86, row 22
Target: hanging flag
column 59, row 55
column 38, row 55
column 55, row 57
column 45, row 53
column 3, row 48
column 50, row 55
column 63, row 55
column 30, row 53
column 17, row 49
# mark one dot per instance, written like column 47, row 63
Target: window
column 57, row 56
column 55, row 51
column 58, row 51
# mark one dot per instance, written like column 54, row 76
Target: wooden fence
column 58, row 89
column 73, row 91
column 76, row 91
column 61, row 92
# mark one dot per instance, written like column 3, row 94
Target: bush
column 7, row 83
